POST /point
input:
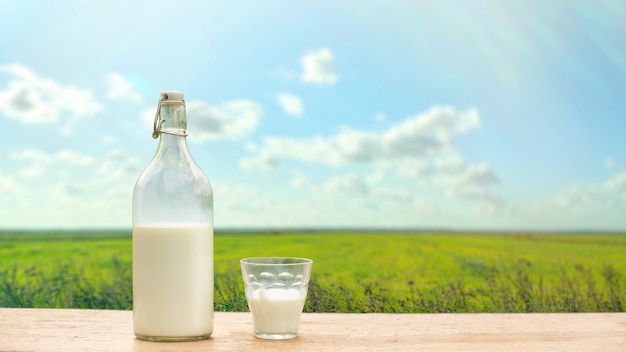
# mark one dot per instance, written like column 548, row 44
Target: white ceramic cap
column 172, row 95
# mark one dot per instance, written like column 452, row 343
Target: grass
column 353, row 272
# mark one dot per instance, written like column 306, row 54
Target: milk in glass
column 276, row 310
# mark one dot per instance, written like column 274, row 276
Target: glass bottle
column 172, row 236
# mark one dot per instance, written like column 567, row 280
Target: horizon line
column 263, row 229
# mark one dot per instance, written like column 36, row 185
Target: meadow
column 352, row 272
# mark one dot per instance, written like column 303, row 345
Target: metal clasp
column 158, row 120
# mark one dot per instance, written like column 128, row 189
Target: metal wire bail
column 158, row 121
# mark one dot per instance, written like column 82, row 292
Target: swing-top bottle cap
column 167, row 96
column 172, row 95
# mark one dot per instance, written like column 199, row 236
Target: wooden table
column 110, row 330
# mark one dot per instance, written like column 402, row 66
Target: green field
column 353, row 272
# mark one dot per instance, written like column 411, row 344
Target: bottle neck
column 174, row 118
column 172, row 131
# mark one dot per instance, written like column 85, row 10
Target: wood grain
column 109, row 330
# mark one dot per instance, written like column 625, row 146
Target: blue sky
column 500, row 115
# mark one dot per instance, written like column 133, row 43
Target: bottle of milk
column 172, row 236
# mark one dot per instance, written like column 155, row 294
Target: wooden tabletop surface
column 110, row 330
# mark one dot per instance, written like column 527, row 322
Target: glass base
column 172, row 339
column 267, row 336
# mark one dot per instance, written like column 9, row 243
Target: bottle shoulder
column 183, row 177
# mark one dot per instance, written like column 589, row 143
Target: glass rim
column 275, row 261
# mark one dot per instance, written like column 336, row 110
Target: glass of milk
column 276, row 289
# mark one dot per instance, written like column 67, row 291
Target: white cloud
column 457, row 178
column 292, row 104
column 449, row 164
column 419, row 148
column 72, row 157
column 231, row 120
column 371, row 199
column 8, row 188
column 589, row 198
column 467, row 180
column 32, row 99
column 262, row 162
column 384, row 207
column 416, row 137
column 120, row 88
column 354, row 185
column 397, row 194
column 318, row 67
column 617, row 184
column 579, row 197
column 147, row 117
column 299, row 180
column 245, row 205
column 429, row 133
column 116, row 165
column 40, row 161
column 21, row 102
column 71, row 189
column 350, row 185
column 102, row 186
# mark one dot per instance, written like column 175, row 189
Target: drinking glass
column 276, row 289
